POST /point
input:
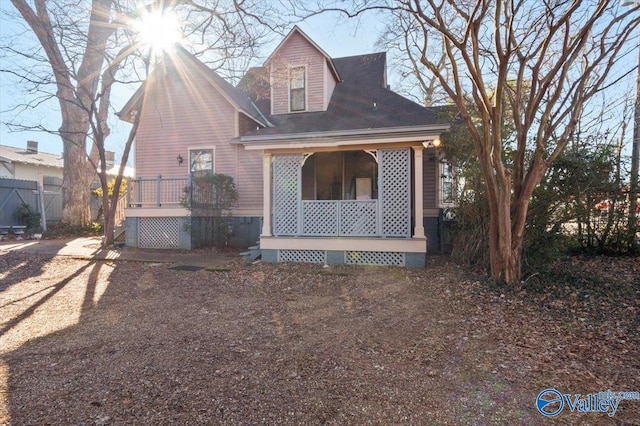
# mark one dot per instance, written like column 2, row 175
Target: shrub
column 210, row 198
column 62, row 230
column 28, row 217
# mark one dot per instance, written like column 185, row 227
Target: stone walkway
column 89, row 248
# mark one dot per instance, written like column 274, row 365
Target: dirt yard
column 99, row 343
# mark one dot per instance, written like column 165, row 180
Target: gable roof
column 12, row 154
column 180, row 59
column 297, row 30
column 361, row 102
column 255, row 83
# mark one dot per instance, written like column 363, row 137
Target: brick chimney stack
column 32, row 147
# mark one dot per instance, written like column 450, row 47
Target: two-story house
column 330, row 164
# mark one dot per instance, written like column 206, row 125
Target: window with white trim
column 201, row 161
column 297, row 85
column 448, row 185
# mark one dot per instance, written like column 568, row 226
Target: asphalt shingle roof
column 180, row 59
column 360, row 101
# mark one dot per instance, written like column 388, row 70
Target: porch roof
column 343, row 138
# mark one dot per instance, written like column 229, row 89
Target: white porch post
column 266, row 196
column 418, row 230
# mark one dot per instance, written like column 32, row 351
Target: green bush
column 29, row 218
column 210, row 198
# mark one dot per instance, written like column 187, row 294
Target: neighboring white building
column 25, row 164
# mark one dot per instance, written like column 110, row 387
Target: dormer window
column 297, row 89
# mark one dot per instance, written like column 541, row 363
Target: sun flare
column 158, row 31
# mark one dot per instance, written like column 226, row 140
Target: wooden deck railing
column 158, row 192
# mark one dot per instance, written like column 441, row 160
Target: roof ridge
column 362, row 55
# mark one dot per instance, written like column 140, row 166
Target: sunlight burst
column 158, row 31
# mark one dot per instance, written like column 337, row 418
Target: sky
column 343, row 37
column 354, row 37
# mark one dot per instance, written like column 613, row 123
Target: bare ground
column 99, row 343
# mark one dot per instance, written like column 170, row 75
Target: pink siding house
column 330, row 164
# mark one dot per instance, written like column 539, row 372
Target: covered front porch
column 350, row 204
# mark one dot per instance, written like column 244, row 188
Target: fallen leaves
column 303, row 344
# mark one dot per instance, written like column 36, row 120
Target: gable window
column 297, row 89
column 201, row 161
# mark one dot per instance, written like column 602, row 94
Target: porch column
column 266, row 195
column 418, row 230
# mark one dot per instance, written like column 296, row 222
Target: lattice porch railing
column 320, row 218
column 349, row 218
column 359, row 218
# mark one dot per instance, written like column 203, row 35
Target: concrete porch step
column 252, row 253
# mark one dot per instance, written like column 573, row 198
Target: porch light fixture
column 432, row 144
column 180, row 159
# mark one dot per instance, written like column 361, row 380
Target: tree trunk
column 634, row 190
column 505, row 245
column 109, row 217
column 110, row 201
column 508, row 221
column 75, row 188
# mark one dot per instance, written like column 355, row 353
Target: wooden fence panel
column 15, row 192
column 53, row 198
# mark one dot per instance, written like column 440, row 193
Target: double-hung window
column 201, row 164
column 297, row 89
column 201, row 161
column 448, row 186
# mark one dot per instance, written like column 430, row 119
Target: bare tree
column 547, row 59
column 540, row 62
column 634, row 186
column 76, row 85
column 403, row 40
column 84, row 48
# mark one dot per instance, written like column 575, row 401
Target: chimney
column 32, row 147
column 109, row 157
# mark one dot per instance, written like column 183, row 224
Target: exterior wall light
column 180, row 159
column 432, row 144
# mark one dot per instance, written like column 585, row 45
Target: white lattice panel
column 309, row 256
column 395, row 192
column 374, row 258
column 320, row 217
column 358, row 217
column 286, row 190
column 158, row 232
